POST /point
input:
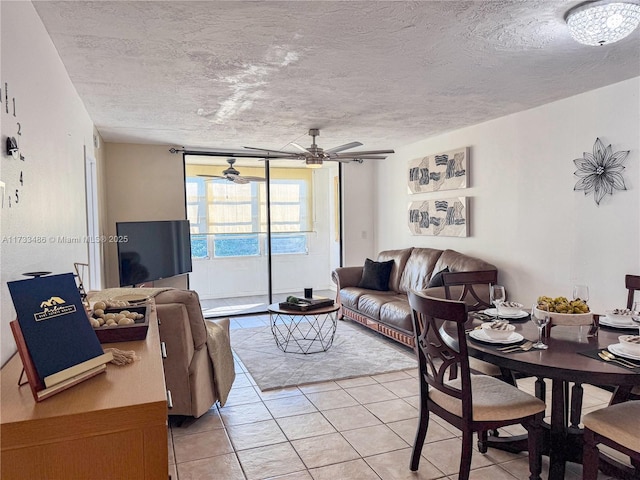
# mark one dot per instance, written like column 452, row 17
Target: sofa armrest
column 347, row 276
column 475, row 287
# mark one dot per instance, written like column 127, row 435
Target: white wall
column 55, row 128
column 143, row 182
column 359, row 193
column 525, row 216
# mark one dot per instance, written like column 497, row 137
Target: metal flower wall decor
column 600, row 172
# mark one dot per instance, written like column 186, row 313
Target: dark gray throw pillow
column 436, row 280
column 375, row 275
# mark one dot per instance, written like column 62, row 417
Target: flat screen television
column 149, row 251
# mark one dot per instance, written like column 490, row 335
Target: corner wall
column 524, row 215
column 55, row 130
column 143, row 182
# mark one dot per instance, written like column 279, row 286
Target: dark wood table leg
column 541, row 389
column 576, row 405
column 558, row 430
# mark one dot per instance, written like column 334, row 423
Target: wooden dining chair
column 470, row 286
column 469, row 283
column 616, row 426
column 471, row 403
column 632, row 283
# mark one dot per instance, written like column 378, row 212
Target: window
column 230, row 220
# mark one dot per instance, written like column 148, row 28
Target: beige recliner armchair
column 198, row 367
column 192, row 376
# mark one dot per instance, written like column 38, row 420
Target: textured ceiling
column 229, row 74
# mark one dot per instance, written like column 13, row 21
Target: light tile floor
column 356, row 429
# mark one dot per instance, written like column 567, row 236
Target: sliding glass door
column 262, row 234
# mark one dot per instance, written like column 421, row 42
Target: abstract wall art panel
column 443, row 171
column 446, row 217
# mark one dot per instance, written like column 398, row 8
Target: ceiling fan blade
column 210, row 176
column 363, row 152
column 340, row 148
column 253, row 179
column 349, row 158
column 299, row 147
column 259, row 156
column 272, row 151
column 237, row 179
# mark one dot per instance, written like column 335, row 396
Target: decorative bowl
column 630, row 344
column 510, row 308
column 619, row 315
column 566, row 319
column 499, row 330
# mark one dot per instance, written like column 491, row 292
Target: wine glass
column 498, row 296
column 635, row 314
column 541, row 320
column 581, row 292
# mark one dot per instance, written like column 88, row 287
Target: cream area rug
column 356, row 351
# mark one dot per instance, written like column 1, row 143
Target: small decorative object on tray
column 565, row 312
column 305, row 304
column 118, row 321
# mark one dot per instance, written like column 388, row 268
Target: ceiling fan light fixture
column 314, row 162
column 602, row 22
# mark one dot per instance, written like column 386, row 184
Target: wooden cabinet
column 112, row 426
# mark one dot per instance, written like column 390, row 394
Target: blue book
column 55, row 326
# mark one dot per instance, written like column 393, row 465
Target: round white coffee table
column 305, row 332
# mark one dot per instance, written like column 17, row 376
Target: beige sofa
column 388, row 311
column 198, row 367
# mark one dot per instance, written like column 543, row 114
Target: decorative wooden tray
column 307, row 304
column 125, row 333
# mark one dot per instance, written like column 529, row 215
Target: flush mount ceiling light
column 600, row 23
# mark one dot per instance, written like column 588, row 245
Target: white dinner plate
column 483, row 337
column 616, row 324
column 616, row 349
column 493, row 312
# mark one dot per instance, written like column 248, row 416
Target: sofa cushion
column 436, row 279
column 349, row 296
column 399, row 258
column 369, row 304
column 418, row 269
column 375, row 275
column 397, row 314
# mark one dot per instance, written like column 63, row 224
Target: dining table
column 570, row 361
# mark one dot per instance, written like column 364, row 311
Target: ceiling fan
column 233, row 175
column 312, row 156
